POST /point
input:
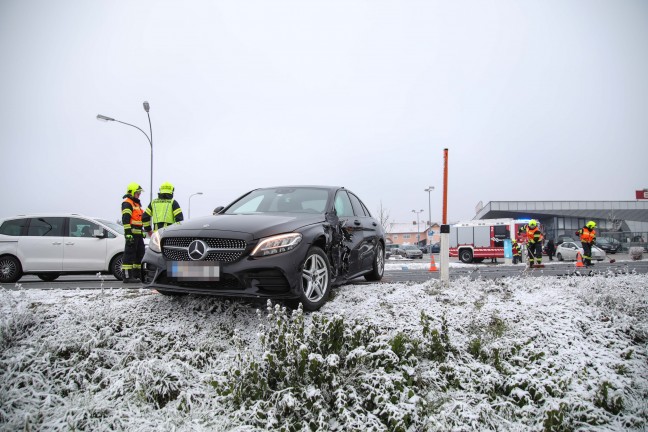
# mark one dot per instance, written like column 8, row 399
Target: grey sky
column 364, row 94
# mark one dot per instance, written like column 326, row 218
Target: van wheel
column 10, row 269
column 116, row 266
column 466, row 256
column 48, row 277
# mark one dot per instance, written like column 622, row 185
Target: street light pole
column 418, row 231
column 429, row 190
column 149, row 138
column 197, row 193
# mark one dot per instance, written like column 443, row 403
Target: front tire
column 378, row 266
column 315, row 279
column 116, row 266
column 48, row 277
column 10, row 269
column 560, row 257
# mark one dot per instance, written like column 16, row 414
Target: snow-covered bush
column 324, row 374
column 636, row 253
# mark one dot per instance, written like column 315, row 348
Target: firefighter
column 163, row 211
column 515, row 246
column 534, row 242
column 587, row 236
column 132, row 221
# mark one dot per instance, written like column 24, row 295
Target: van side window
column 82, row 228
column 13, row 227
column 46, row 227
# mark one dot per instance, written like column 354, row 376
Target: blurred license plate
column 193, row 271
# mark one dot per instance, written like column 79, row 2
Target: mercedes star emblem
column 197, row 250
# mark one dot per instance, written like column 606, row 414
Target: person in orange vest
column 131, row 210
column 587, row 236
column 517, row 257
column 534, row 242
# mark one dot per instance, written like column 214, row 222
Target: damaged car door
column 354, row 244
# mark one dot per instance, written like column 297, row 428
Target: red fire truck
column 476, row 240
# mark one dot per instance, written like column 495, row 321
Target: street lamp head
column 104, row 118
column 429, row 189
column 146, row 106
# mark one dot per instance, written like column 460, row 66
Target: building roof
column 626, row 210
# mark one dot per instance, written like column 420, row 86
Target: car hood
column 248, row 226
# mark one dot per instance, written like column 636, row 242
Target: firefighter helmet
column 591, row 225
column 533, row 223
column 133, row 188
column 166, row 188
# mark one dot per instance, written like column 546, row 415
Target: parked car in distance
column 563, row 238
column 410, row 251
column 431, row 248
column 569, row 251
column 289, row 243
column 390, row 248
column 608, row 244
column 51, row 245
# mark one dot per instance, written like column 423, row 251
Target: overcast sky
column 536, row 100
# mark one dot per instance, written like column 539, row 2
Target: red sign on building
column 642, row 194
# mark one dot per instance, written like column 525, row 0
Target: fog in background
column 535, row 100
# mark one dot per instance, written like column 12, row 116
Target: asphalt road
column 404, row 273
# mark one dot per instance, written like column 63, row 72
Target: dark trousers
column 133, row 254
column 587, row 254
column 517, row 259
column 534, row 251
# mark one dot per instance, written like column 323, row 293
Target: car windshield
column 281, row 200
column 115, row 227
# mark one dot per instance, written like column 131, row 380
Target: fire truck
column 476, row 240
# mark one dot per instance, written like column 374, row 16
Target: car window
column 343, row 205
column 46, row 227
column 13, row 227
column 82, row 228
column 357, row 205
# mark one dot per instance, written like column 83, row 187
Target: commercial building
column 627, row 221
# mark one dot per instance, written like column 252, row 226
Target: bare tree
column 383, row 217
column 613, row 222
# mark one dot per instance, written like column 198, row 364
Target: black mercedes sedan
column 288, row 243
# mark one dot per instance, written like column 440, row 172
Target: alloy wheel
column 315, row 278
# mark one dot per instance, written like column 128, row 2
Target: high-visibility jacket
column 132, row 216
column 533, row 235
column 586, row 235
column 162, row 212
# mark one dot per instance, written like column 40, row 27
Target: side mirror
column 99, row 233
column 218, row 210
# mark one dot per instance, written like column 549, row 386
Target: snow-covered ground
column 516, row 354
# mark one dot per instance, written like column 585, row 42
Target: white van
column 51, row 245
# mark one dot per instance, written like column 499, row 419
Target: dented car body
column 289, row 243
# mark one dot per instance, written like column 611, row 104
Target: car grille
column 223, row 255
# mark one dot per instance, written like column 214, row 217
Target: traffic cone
column 579, row 260
column 433, row 266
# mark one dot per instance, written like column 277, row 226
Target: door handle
column 356, row 222
column 56, row 243
column 68, row 244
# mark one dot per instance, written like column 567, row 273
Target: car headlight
column 277, row 244
column 154, row 243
